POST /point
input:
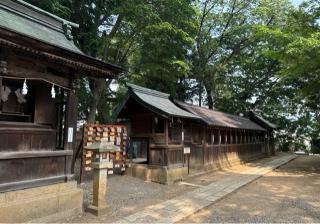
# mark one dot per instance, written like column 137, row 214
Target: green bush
column 284, row 147
column 315, row 150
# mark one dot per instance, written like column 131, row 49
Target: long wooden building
column 40, row 67
column 165, row 132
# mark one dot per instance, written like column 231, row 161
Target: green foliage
column 234, row 55
column 60, row 8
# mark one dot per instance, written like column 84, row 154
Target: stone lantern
column 100, row 163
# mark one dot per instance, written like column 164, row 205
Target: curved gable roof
column 159, row 102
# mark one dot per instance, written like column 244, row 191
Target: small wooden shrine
column 164, row 133
column 40, row 68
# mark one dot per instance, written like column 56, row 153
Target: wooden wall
column 24, row 137
column 209, row 145
column 45, row 109
column 233, row 146
column 224, row 155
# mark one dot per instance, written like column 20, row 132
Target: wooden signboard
column 186, row 150
column 116, row 134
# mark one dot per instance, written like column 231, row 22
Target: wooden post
column 182, row 133
column 0, row 94
column 167, row 131
column 70, row 129
column 204, row 140
column 191, row 130
column 166, row 151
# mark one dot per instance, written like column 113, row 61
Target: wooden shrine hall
column 164, row 132
column 40, row 68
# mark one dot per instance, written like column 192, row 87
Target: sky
column 296, row 2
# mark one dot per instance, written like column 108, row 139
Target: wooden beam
column 34, row 154
column 31, row 74
column 34, row 183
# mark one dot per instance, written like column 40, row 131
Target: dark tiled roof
column 220, row 119
column 158, row 101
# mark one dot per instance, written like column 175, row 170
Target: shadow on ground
column 290, row 193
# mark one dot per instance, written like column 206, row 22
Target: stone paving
column 178, row 208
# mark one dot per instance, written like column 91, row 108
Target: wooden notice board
column 116, row 134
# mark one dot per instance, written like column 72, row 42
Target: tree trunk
column 200, row 94
column 98, row 87
column 209, row 96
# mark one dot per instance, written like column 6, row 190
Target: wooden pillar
column 204, row 140
column 204, row 135
column 191, row 133
column 167, row 131
column 3, row 71
column 0, row 94
column 212, row 136
column 70, row 129
column 182, row 133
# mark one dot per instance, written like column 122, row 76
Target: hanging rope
column 38, row 79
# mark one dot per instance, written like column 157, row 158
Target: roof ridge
column 192, row 105
column 147, row 90
column 41, row 11
column 261, row 116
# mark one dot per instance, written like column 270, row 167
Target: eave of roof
column 265, row 122
column 220, row 119
column 95, row 71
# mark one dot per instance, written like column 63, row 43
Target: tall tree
column 149, row 38
column 297, row 49
column 225, row 33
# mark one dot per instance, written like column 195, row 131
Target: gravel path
column 127, row 195
column 288, row 194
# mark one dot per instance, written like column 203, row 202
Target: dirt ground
column 290, row 193
column 125, row 195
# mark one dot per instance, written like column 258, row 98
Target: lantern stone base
column 158, row 174
column 41, row 204
column 98, row 211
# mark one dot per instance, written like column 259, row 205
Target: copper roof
column 25, row 26
column 220, row 119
